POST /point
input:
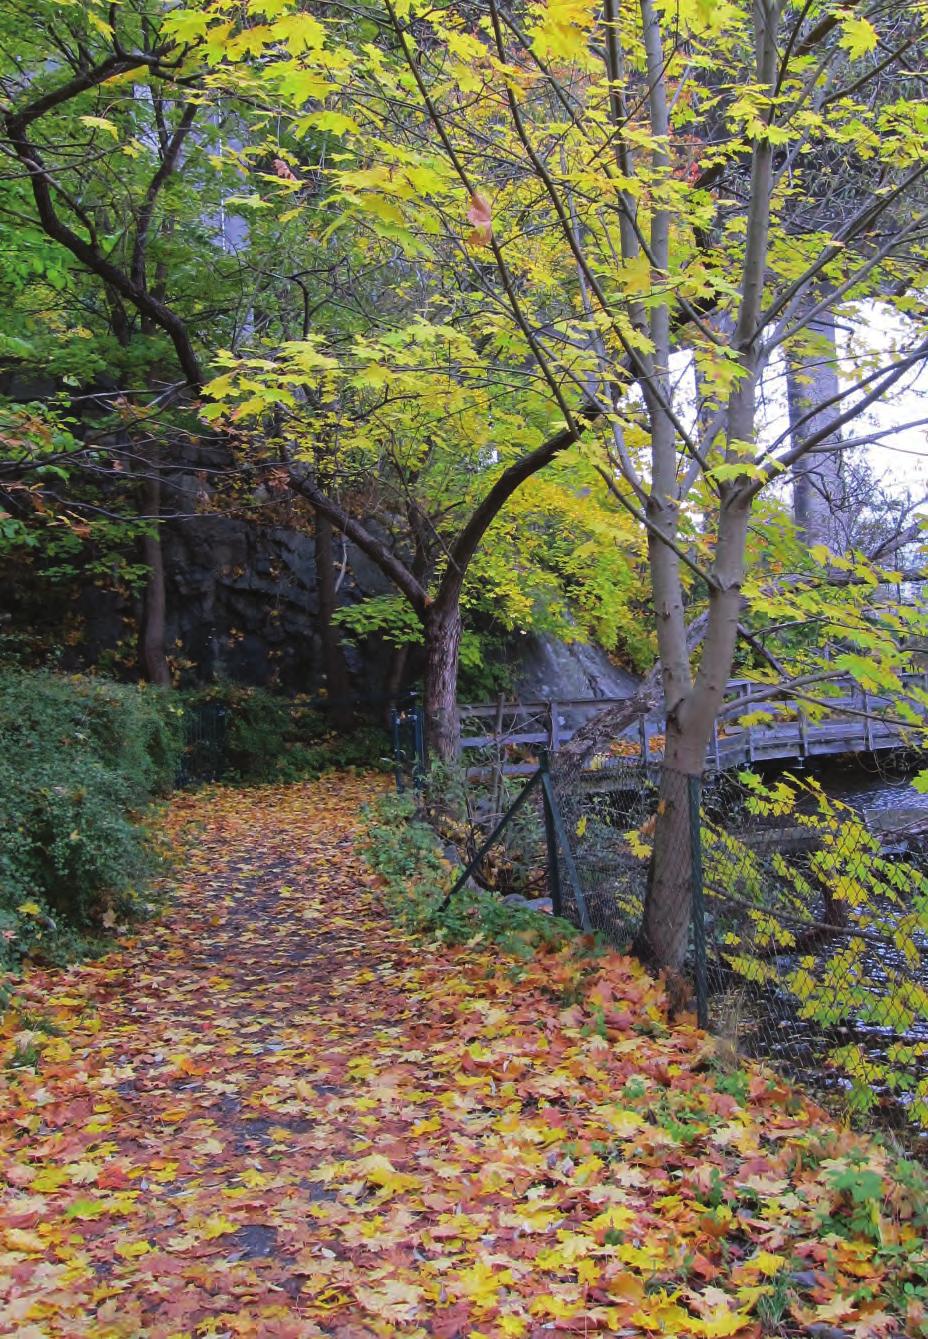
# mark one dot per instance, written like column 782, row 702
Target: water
column 881, row 791
column 869, row 785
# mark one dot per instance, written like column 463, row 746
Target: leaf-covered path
column 275, row 1114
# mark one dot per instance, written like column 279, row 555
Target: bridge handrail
column 514, row 720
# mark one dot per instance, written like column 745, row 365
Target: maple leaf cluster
column 276, row 1113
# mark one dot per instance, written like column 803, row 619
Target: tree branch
column 378, row 552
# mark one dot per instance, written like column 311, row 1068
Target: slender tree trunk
column 818, row 490
column 395, row 680
column 664, row 931
column 334, row 665
column 442, row 648
column 152, row 651
column 662, row 939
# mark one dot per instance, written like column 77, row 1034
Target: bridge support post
column 554, row 731
column 868, row 723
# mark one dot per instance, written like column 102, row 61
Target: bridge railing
column 511, row 733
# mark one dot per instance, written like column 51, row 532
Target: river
column 868, row 785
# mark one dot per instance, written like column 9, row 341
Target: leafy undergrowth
column 278, row 1113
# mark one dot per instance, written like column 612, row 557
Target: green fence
column 808, row 943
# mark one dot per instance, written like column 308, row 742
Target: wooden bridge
column 512, row 733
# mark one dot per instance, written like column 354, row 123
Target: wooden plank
column 868, row 722
column 510, row 769
column 487, row 741
column 594, row 704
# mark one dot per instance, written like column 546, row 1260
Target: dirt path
column 273, row 1114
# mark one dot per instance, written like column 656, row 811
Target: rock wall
column 548, row 668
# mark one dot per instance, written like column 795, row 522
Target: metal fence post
column 395, row 716
column 698, row 903
column 420, row 766
column 573, row 874
column 554, row 866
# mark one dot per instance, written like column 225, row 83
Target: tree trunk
column 334, row 665
column 152, row 652
column 664, row 932
column 395, row 680
column 818, row 491
column 442, row 647
column 662, row 938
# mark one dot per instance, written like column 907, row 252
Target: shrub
column 255, row 736
column 79, row 760
column 404, row 850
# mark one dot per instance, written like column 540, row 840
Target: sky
column 899, row 455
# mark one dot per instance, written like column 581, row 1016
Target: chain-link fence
column 815, row 935
column 206, row 730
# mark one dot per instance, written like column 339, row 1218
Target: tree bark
column 442, row 648
column 334, row 665
column 152, row 650
column 664, row 931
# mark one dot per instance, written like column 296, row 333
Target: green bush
column 404, row 850
column 256, row 736
column 79, row 760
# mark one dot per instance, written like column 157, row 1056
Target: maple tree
column 556, row 556
column 215, row 1130
column 151, row 120
column 656, row 165
column 125, row 264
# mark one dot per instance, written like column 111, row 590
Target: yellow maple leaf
column 512, row 1325
column 664, row 1315
column 48, row 1180
column 82, row 1173
column 588, row 1271
column 559, row 1308
column 380, row 1172
column 391, row 1299
column 100, row 123
column 763, row 1264
column 426, row 1126
column 216, row 1225
column 719, row 1325
column 481, row 1284
column 254, row 1179
column 57, row 1051
column 24, row 1239
column 130, row 1250
column 616, row 1216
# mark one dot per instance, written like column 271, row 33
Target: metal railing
column 409, row 750
column 558, row 850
